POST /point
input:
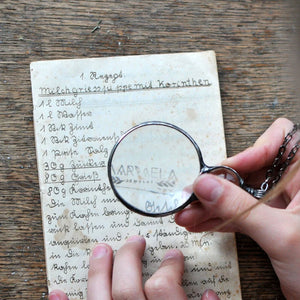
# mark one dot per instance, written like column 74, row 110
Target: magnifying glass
column 152, row 166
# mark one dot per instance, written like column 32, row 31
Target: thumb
column 57, row 295
column 225, row 200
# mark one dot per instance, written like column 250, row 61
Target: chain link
column 278, row 167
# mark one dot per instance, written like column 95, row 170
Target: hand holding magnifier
column 152, row 166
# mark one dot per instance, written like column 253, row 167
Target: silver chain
column 275, row 172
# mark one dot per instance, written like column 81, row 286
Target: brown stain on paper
column 60, row 236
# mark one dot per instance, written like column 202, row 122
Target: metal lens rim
column 240, row 179
column 109, row 166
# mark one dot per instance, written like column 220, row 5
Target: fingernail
column 100, row 251
column 208, row 187
column 173, row 253
column 53, row 296
column 209, row 295
column 135, row 238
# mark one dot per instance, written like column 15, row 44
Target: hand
column 122, row 279
column 275, row 227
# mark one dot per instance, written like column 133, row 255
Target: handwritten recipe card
column 81, row 108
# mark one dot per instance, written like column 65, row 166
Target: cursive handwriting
column 80, row 113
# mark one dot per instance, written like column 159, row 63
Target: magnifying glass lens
column 152, row 168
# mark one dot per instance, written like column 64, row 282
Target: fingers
column 99, row 277
column 196, row 212
column 127, row 270
column 210, row 225
column 57, row 295
column 209, row 295
column 196, row 218
column 165, row 284
column 293, row 187
column 126, row 282
column 224, row 200
column 264, row 150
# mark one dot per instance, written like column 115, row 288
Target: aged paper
column 81, row 107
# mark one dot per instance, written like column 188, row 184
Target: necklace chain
column 278, row 167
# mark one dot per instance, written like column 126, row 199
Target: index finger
column 265, row 149
column 127, row 270
column 99, row 277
